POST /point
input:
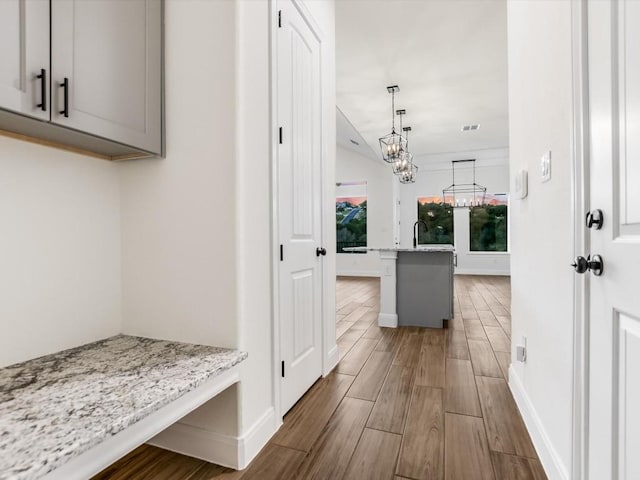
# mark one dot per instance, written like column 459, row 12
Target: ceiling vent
column 469, row 128
column 354, row 142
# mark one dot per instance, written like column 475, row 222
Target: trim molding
column 580, row 201
column 226, row 450
column 333, row 357
column 551, row 462
column 388, row 320
column 256, row 437
column 358, row 273
column 481, row 271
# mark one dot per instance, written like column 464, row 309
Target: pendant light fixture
column 393, row 144
column 409, row 175
column 460, row 195
column 405, row 159
column 407, row 171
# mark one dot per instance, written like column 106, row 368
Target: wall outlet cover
column 545, row 167
column 522, row 184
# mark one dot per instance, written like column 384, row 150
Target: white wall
column 197, row 246
column 178, row 213
column 253, row 213
column 59, row 250
column 540, row 111
column 351, row 166
column 492, row 171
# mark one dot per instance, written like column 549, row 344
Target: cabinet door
column 24, row 36
column 109, row 52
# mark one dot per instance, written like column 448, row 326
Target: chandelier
column 400, row 163
column 393, row 143
column 464, row 194
column 409, row 171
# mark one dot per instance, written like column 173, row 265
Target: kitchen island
column 416, row 285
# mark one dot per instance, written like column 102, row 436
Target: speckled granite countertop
column 419, row 248
column 56, row 407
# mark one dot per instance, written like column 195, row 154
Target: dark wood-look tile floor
column 403, row 403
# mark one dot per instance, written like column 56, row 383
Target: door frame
column 325, row 307
column 580, row 204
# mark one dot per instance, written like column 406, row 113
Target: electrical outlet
column 521, row 351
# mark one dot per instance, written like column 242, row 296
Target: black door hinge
column 280, row 135
column 279, row 18
column 283, row 369
column 281, row 253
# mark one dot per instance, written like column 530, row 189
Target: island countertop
column 56, row 407
column 419, row 248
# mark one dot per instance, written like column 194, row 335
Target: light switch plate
column 522, row 184
column 545, row 167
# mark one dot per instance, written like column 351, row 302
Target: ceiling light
column 393, row 143
column 469, row 128
column 464, row 194
column 405, row 159
column 409, row 175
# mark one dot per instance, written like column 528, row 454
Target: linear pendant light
column 475, row 191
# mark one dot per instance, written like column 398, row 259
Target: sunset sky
column 352, row 200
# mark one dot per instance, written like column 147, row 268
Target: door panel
column 24, row 30
column 303, row 313
column 627, row 400
column 111, row 53
column 299, row 203
column 614, row 350
column 302, row 143
column 629, row 70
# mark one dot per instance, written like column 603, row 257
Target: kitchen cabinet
column 24, row 65
column 104, row 81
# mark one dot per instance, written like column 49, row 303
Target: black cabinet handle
column 43, row 90
column 321, row 251
column 65, row 85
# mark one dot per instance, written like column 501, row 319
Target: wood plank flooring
column 404, row 403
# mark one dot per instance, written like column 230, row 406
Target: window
column 351, row 215
column 488, row 224
column 439, row 219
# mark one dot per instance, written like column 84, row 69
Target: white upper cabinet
column 107, row 69
column 83, row 74
column 24, row 57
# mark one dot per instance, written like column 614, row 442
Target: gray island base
column 416, row 285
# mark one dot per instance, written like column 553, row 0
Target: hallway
column 408, row 403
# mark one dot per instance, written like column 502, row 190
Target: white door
column 299, row 203
column 24, row 69
column 614, row 355
column 110, row 53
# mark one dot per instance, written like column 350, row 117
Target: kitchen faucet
column 415, row 231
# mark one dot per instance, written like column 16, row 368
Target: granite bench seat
column 70, row 414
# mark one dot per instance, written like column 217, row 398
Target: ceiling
column 449, row 58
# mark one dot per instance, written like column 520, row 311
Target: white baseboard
column 551, row 461
column 256, row 437
column 481, row 271
column 358, row 273
column 226, row 450
column 333, row 357
column 388, row 320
